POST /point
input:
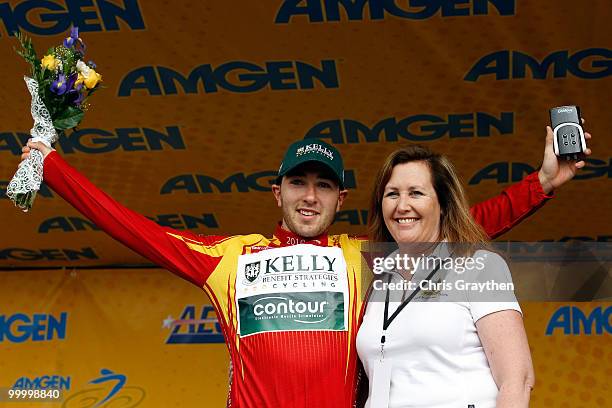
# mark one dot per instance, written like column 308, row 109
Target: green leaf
column 68, row 118
column 29, row 55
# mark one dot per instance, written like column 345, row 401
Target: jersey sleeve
column 502, row 212
column 191, row 256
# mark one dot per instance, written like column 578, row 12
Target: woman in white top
column 438, row 346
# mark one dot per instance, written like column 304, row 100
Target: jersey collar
column 287, row 238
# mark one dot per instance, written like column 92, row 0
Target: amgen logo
column 291, row 311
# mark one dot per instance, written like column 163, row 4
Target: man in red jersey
column 288, row 304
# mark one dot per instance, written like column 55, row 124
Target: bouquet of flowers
column 60, row 84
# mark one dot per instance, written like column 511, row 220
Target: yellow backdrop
column 201, row 100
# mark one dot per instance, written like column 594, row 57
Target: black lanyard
column 388, row 320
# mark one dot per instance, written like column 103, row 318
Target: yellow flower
column 49, row 62
column 80, row 79
column 92, row 79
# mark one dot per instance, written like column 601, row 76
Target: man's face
column 309, row 197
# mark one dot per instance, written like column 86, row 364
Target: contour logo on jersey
column 44, row 17
column 237, row 182
column 47, row 254
column 591, row 63
column 572, row 320
column 20, row 327
column 291, row 311
column 176, row 221
column 416, row 128
column 318, row 11
column 234, row 76
column 505, row 172
column 96, row 141
column 44, row 382
column 189, row 329
column 107, row 390
column 302, row 287
column 273, row 306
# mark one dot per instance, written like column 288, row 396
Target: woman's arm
column 505, row 344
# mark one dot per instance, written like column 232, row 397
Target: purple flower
column 71, row 80
column 79, row 99
column 59, row 85
column 92, row 64
column 74, row 94
column 74, row 37
column 75, row 41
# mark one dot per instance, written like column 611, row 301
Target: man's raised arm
column 163, row 246
column 502, row 212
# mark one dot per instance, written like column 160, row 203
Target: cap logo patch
column 315, row 148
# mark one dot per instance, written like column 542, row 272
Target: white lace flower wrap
column 29, row 174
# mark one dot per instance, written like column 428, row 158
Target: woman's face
column 410, row 205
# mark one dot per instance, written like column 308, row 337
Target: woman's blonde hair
column 456, row 222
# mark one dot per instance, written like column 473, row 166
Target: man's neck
column 287, row 237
